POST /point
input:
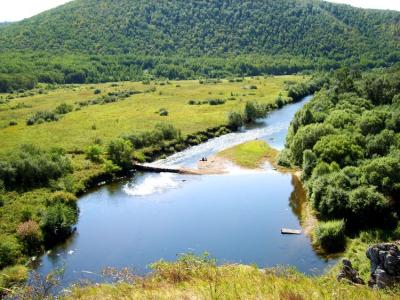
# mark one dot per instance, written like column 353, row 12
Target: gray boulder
column 385, row 265
column 349, row 274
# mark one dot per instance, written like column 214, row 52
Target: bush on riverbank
column 120, row 153
column 30, row 236
column 235, row 121
column 94, row 153
column 254, row 111
column 10, row 251
column 300, row 90
column 330, row 236
column 12, row 276
column 57, row 222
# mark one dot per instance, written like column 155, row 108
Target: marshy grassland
column 137, row 113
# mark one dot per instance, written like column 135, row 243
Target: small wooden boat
column 290, row 231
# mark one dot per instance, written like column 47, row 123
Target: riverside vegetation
column 346, row 140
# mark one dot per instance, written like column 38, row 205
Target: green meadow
column 137, row 113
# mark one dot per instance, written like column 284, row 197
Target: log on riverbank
column 163, row 169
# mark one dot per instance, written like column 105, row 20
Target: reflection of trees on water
column 61, row 249
column 113, row 188
column 56, row 252
column 297, row 197
column 297, row 202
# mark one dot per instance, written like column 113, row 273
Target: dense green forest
column 131, row 39
column 347, row 141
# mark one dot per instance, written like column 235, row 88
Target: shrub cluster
column 120, row 153
column 58, row 222
column 331, row 236
column 94, row 153
column 111, row 97
column 252, row 111
column 49, row 116
column 10, row 250
column 210, row 102
column 64, row 109
column 33, row 167
column 30, row 236
column 41, row 117
column 161, row 132
column 210, row 81
column 235, row 121
column 300, row 90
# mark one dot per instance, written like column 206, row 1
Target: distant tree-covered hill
column 303, row 34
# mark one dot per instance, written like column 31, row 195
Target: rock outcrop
column 349, row 274
column 385, row 265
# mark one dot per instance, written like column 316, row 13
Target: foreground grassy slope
column 190, row 278
column 139, row 112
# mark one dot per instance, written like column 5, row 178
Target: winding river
column 236, row 217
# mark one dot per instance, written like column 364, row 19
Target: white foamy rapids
column 190, row 156
column 151, row 184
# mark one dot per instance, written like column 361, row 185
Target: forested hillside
column 208, row 28
column 99, row 40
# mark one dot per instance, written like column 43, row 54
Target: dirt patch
column 213, row 165
column 309, row 221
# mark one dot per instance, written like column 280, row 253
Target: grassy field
column 250, row 155
column 139, row 112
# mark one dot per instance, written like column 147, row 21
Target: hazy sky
column 380, row 4
column 14, row 10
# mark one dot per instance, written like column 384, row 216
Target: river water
column 236, row 217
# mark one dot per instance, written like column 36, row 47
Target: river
column 236, row 217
